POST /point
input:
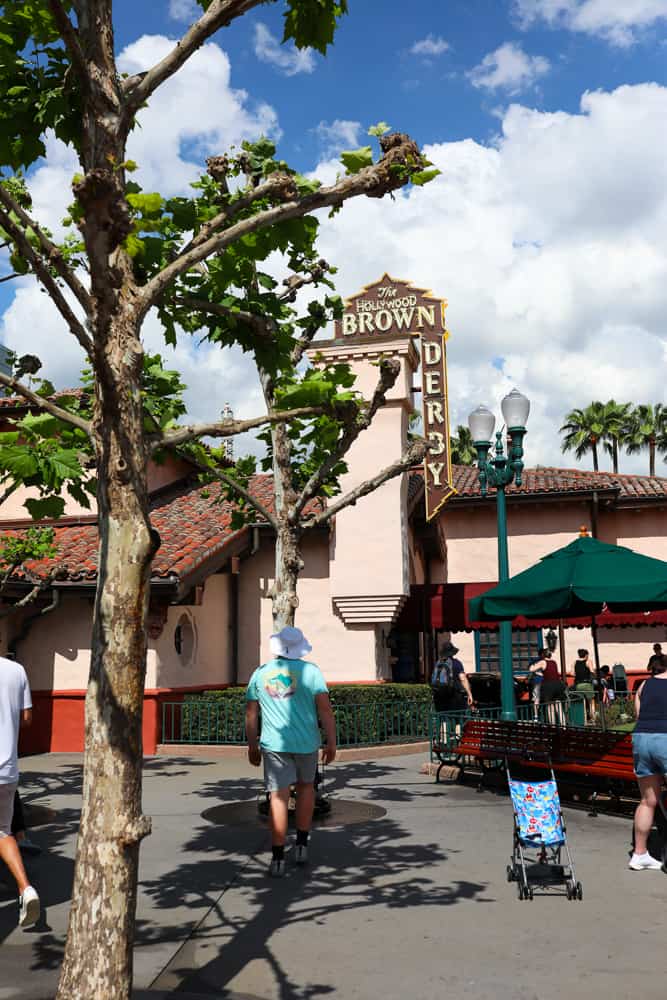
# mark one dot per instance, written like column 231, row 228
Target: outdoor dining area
column 588, row 746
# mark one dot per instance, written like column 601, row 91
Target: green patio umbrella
column 576, row 581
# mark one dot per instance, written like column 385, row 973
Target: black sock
column 302, row 838
column 278, row 851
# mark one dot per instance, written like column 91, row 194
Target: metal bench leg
column 594, row 810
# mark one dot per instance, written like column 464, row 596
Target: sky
column 545, row 231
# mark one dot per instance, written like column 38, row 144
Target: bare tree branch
column 46, row 405
column 50, row 252
column 238, row 488
column 220, row 13
column 29, row 598
column 388, row 174
column 9, row 277
column 42, row 272
column 412, row 456
column 358, row 420
column 227, row 428
column 6, row 495
column 264, row 326
column 71, row 40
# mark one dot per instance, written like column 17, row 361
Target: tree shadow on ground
column 373, row 864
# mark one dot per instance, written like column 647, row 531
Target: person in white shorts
column 15, row 710
column 291, row 693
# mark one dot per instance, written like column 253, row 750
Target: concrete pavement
column 414, row 903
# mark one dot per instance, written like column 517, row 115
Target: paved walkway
column 411, row 904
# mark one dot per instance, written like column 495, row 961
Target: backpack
column 446, row 678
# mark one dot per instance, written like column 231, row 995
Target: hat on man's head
column 448, row 649
column 290, row 643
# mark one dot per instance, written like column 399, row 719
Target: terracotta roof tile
column 192, row 524
column 543, row 480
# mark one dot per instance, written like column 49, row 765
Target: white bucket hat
column 290, row 643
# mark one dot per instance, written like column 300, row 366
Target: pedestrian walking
column 649, row 749
column 15, row 710
column 290, row 694
column 450, row 686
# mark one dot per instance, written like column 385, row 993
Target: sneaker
column 301, row 854
column 638, row 862
column 277, row 868
column 28, row 907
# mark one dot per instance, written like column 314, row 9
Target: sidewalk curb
column 351, row 753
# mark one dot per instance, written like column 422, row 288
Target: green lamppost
column 500, row 471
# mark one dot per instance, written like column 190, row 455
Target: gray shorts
column 7, row 808
column 284, row 769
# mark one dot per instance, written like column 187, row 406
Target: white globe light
column 481, row 423
column 516, row 408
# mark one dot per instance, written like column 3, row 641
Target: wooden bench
column 588, row 754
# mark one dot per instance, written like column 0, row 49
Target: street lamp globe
column 481, row 423
column 515, row 407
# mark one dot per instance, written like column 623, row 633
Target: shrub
column 365, row 714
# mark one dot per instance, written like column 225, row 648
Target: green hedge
column 365, row 714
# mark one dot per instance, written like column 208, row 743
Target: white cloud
column 287, row 58
column 550, row 247
column 619, row 21
column 184, row 10
column 337, row 135
column 432, row 45
column 509, row 68
column 195, row 114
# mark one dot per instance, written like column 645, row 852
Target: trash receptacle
column 576, row 709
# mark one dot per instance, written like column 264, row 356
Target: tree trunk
column 594, row 448
column 288, row 562
column 98, row 956
column 651, row 457
column 614, row 454
column 288, row 566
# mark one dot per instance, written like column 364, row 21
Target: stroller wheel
column 568, row 890
column 510, row 873
column 580, row 891
column 520, row 891
column 530, row 893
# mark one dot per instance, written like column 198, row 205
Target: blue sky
column 371, row 74
column 546, row 230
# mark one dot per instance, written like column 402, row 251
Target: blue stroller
column 539, row 840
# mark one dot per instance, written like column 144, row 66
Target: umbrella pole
column 598, row 692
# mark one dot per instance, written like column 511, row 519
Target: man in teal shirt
column 291, row 694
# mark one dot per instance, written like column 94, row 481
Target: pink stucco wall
column 344, row 654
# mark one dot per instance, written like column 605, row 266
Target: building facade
column 379, row 584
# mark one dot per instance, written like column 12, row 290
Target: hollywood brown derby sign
column 391, row 309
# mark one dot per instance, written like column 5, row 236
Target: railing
column 220, row 723
column 446, row 727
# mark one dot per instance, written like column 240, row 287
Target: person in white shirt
column 15, row 711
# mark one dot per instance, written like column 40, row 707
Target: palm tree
column 616, row 418
column 583, row 430
column 462, row 449
column 647, row 428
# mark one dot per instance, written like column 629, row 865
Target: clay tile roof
column 193, row 529
column 19, row 402
column 545, row 480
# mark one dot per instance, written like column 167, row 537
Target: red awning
column 445, row 606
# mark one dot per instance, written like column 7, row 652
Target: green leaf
column 19, row 461
column 380, row 129
column 355, row 160
column 424, row 176
column 48, row 507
